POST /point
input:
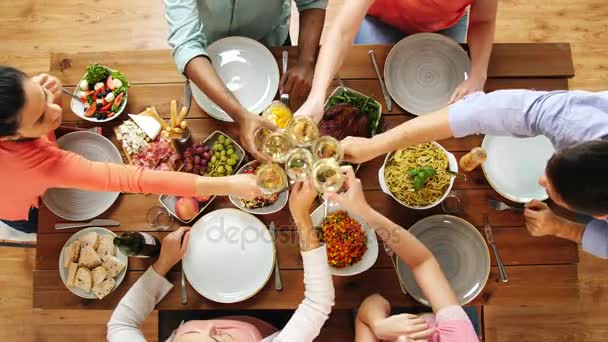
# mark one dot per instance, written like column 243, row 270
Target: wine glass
column 328, row 147
column 260, row 136
column 271, row 178
column 299, row 164
column 277, row 146
column 159, row 218
column 303, row 131
column 327, row 177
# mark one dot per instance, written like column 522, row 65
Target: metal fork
column 391, row 255
column 285, row 58
column 500, row 206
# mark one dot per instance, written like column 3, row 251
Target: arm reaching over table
column 373, row 321
column 150, row 288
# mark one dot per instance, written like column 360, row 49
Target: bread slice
column 89, row 258
column 90, row 239
column 84, row 279
column 106, row 247
column 72, row 269
column 104, row 288
column 71, row 253
column 99, row 275
column 113, row 266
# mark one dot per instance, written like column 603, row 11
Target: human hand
column 412, row 327
column 243, row 185
column 172, row 250
column 50, row 83
column 301, row 198
column 472, row 84
column 313, row 107
column 298, row 79
column 358, row 150
column 353, row 199
column 540, row 219
column 250, row 124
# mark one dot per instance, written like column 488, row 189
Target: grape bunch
column 215, row 161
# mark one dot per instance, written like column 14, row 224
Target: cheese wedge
column 147, row 124
column 151, row 112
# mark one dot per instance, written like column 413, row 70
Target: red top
column 28, row 169
column 415, row 16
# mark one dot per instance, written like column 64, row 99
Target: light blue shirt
column 193, row 24
column 565, row 117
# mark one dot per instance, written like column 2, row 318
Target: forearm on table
column 480, row 37
column 569, row 230
column 339, row 39
column 425, row 128
column 373, row 309
column 201, row 72
column 311, row 26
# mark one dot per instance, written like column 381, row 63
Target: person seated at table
column 576, row 122
column 193, row 24
column 409, row 16
column 374, row 322
column 304, row 325
column 30, row 111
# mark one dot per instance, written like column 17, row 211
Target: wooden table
column 541, row 270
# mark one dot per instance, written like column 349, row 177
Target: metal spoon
column 72, row 95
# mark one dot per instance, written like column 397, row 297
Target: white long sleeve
column 135, row 306
column 319, row 294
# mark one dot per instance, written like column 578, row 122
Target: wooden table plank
column 142, row 96
column 528, row 284
column 157, row 66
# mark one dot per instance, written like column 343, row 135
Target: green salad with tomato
column 103, row 92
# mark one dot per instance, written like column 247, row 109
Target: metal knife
column 278, row 284
column 187, row 95
column 92, row 223
column 387, row 97
column 490, row 238
column 184, row 291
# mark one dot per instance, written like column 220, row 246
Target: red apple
column 202, row 198
column 186, row 208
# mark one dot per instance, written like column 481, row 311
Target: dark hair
column 579, row 175
column 12, row 99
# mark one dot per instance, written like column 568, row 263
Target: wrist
column 569, row 230
column 161, row 267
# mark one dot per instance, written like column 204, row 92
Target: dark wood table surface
column 541, row 270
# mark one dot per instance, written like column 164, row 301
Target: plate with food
column 418, row 176
column 423, row 70
column 249, row 71
column 352, row 247
column 76, row 204
column 230, row 256
column 460, row 250
column 90, row 265
column 263, row 204
column 102, row 92
column 217, row 156
column 350, row 113
column 514, row 166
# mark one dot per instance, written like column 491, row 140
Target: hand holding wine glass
column 299, row 164
column 353, row 199
column 271, row 178
column 173, row 249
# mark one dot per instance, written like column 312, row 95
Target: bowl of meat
column 263, row 204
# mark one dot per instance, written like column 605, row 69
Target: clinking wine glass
column 303, row 131
column 327, row 177
column 328, row 147
column 271, row 178
column 277, row 146
column 299, row 164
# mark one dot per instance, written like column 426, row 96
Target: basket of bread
column 90, row 265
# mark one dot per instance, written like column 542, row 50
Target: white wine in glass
column 303, row 131
column 326, row 175
column 277, row 146
column 260, row 136
column 299, row 164
column 328, row 147
column 271, row 178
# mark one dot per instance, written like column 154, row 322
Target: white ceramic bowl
column 271, row 209
column 452, row 164
column 63, row 272
column 78, row 107
column 371, row 254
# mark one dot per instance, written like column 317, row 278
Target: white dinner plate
column 230, row 256
column 460, row 250
column 370, row 255
column 271, row 209
column 63, row 272
column 249, row 71
column 81, row 205
column 423, row 70
column 514, row 166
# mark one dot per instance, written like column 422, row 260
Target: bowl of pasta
column 418, row 176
